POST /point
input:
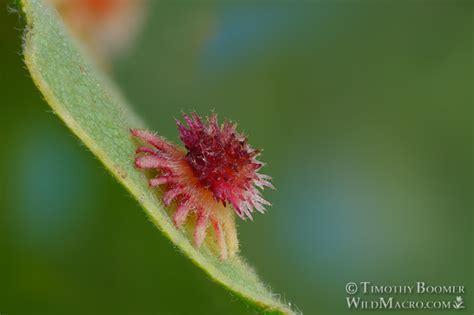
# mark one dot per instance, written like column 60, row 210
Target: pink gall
column 216, row 170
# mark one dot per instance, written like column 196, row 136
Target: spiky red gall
column 216, row 171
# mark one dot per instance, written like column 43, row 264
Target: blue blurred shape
column 51, row 189
column 250, row 31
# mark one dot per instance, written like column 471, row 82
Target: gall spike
column 217, row 171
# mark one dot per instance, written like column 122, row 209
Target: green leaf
column 93, row 108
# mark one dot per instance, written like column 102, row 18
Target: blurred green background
column 364, row 110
